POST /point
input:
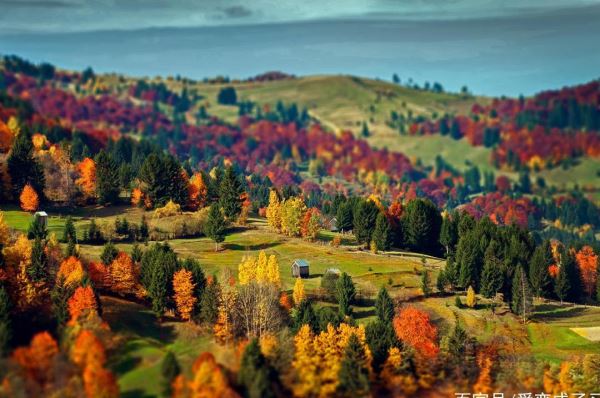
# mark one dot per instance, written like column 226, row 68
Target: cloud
column 36, row 4
column 237, row 12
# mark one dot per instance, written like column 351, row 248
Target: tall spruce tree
column 539, row 274
column 522, row 299
column 345, row 293
column 215, row 225
column 169, row 370
column 5, row 321
column 209, row 302
column 365, row 219
column 255, row 373
column 344, row 216
column 492, row 276
column 38, row 270
column 230, row 193
column 23, row 167
column 449, row 234
column 108, row 183
column 423, row 224
column 380, row 338
column 384, row 306
column 382, row 235
column 59, row 297
column 69, row 234
column 468, row 259
column 353, row 375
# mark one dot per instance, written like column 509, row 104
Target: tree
column 209, row 302
column 492, row 277
column 82, row 302
column 449, row 234
column 344, row 215
column 274, row 210
column 5, row 321
column 109, row 253
column 425, row 283
column 598, row 280
column 87, row 177
column 423, row 224
column 384, row 306
column 38, row 269
column 59, row 297
column 471, row 298
column 169, row 370
column 197, row 192
column 23, row 167
column 539, row 274
column 522, row 300
column 215, row 225
column 162, row 179
column 345, row 293
column 69, row 233
column 382, row 235
column 365, row 219
column 255, row 373
column 380, row 338
column 354, row 371
column 227, row 96
column 29, row 199
column 311, row 224
column 183, row 286
column 71, row 270
column 468, row 258
column 292, row 212
column 571, row 271
column 414, row 328
column 230, row 194
column 123, row 274
column 37, row 229
column 298, row 293
column 587, row 261
column 108, row 184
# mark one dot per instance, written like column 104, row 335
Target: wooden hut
column 300, row 268
column 41, row 217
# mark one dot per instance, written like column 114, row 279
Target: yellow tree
column 292, row 211
column 4, row 232
column 273, row 271
column 71, row 270
column 247, row 270
column 29, row 199
column 298, row 294
column 471, row 299
column 274, row 211
column 123, row 274
column 87, row 177
column 261, row 267
column 183, row 288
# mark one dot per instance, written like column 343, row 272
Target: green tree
column 209, row 302
column 38, row 270
column 5, row 321
column 364, row 221
column 353, row 375
column 23, row 167
column 109, row 253
column 108, row 183
column 59, row 297
column 161, row 178
column 423, row 223
column 169, row 369
column 69, row 234
column 380, row 338
column 539, row 275
column 382, row 236
column 227, row 96
column 37, row 229
column 305, row 315
column 255, row 373
column 425, row 283
column 384, row 306
column 492, row 277
column 215, row 225
column 522, row 299
column 449, row 234
column 345, row 293
column 468, row 258
column 230, row 192
column 344, row 216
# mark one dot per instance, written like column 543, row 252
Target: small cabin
column 300, row 268
column 41, row 217
column 332, row 224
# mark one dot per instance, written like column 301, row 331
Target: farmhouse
column 300, row 268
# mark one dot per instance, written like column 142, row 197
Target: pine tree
column 571, row 269
column 38, row 269
column 423, row 224
column 169, row 369
column 215, row 225
column 69, row 234
column 380, row 337
column 468, row 258
column 255, row 373
column 491, row 277
column 425, row 283
column 539, row 274
column 109, row 253
column 23, row 167
column 59, row 296
column 345, row 293
column 353, row 375
column 364, row 221
column 230, row 194
column 108, row 184
column 384, row 306
column 344, row 216
column 209, row 302
column 5, row 321
column 449, row 234
column 37, row 229
column 305, row 315
column 382, row 236
column 522, row 300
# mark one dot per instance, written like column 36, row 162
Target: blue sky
column 86, row 15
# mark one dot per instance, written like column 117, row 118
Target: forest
column 131, row 197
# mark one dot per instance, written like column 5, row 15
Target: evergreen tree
column 364, row 221
column 38, row 270
column 468, row 259
column 69, row 234
column 198, row 279
column 255, row 373
column 460, row 349
column 5, row 321
column 384, row 306
column 522, row 299
column 539, row 275
column 230, row 192
column 23, row 167
column 209, row 302
column 380, row 338
column 169, row 369
column 492, row 277
column 37, row 229
column 344, row 216
column 423, row 224
column 353, row 375
column 215, row 225
column 136, row 253
column 570, row 269
column 163, row 180
column 144, row 230
column 305, row 315
column 108, row 184
column 345, row 293
column 109, row 253
column 449, row 234
column 59, row 297
column 227, row 96
column 382, row 236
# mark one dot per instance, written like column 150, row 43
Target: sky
column 494, row 47
column 88, row 15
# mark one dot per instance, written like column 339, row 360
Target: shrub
column 168, row 210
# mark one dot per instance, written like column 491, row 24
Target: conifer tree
column 108, row 183
column 382, row 236
column 345, row 293
column 522, row 300
column 305, row 315
column 423, row 223
column 38, row 270
column 59, row 297
column 354, row 370
column 215, row 225
column 468, row 258
column 69, row 233
column 209, row 302
column 380, row 337
column 384, row 306
column 364, row 221
column 5, row 321
column 449, row 234
column 539, row 274
column 255, row 373
column 109, row 253
column 344, row 216
column 23, row 167
column 169, row 369
column 230, row 194
column 491, row 277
